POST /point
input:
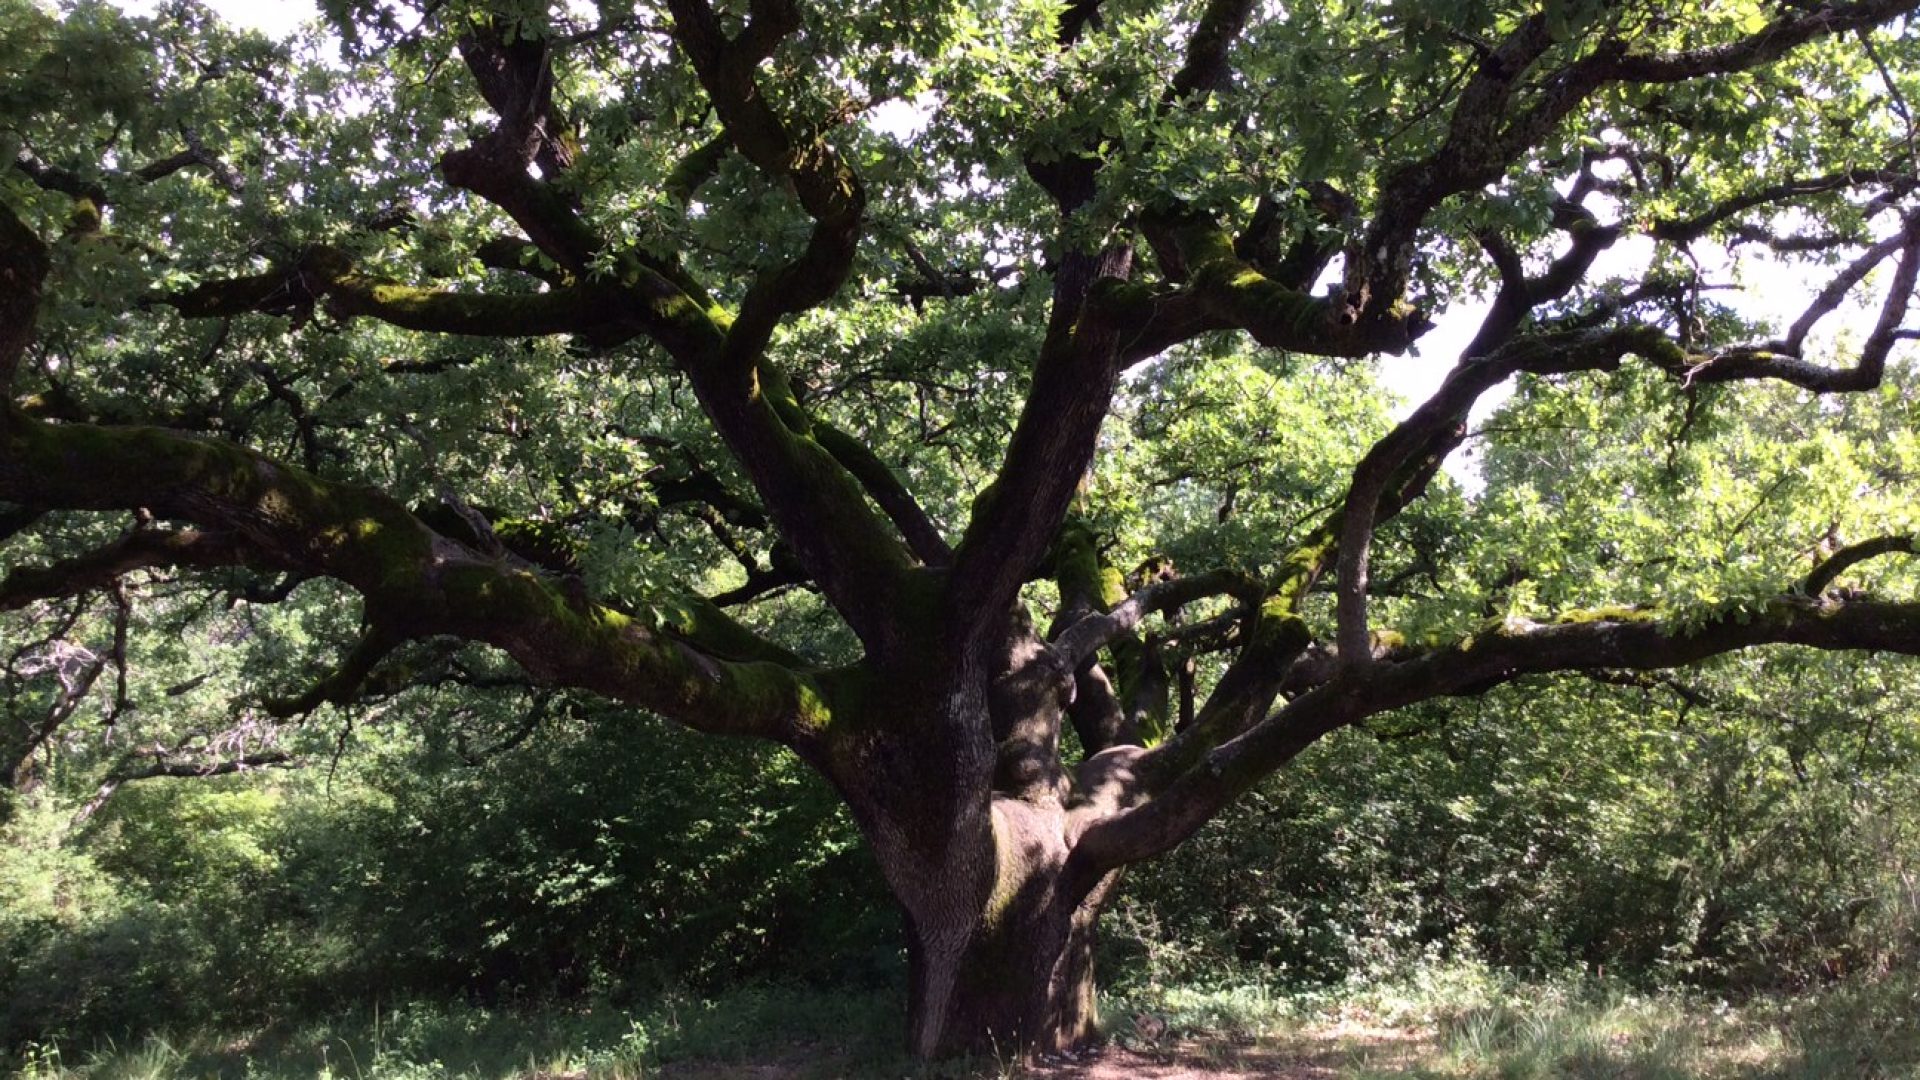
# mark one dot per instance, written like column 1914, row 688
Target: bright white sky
column 1771, row 289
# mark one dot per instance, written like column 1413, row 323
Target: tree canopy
column 981, row 400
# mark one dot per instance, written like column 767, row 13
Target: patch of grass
column 472, row 1042
column 1466, row 1022
column 1454, row 1022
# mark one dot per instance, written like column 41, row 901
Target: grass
column 471, row 1042
column 1440, row 1023
column 1465, row 1022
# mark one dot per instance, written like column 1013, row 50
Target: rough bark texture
column 1016, row 973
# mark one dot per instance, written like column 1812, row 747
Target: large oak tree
column 827, row 376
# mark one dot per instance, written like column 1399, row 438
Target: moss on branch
column 415, row 583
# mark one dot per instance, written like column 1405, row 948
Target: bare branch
column 1848, row 557
column 1081, row 640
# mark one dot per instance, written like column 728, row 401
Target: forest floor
column 1447, row 1024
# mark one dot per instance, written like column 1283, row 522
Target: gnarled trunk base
column 1021, row 979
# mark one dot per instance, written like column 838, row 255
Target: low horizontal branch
column 1471, row 665
column 416, row 583
column 143, row 549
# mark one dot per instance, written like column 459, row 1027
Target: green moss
column 1301, row 566
column 1607, row 613
column 1077, row 568
column 719, row 634
column 1279, row 630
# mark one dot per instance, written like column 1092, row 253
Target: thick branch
column 1473, row 665
column 1206, row 65
column 23, row 267
column 1080, row 641
column 1235, row 294
column 325, row 274
column 415, row 583
column 892, row 496
column 826, row 185
column 143, row 549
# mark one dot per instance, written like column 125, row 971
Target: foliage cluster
column 1772, row 845
column 583, row 866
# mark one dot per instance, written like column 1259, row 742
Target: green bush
column 1567, row 825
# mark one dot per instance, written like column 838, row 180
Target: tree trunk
column 1019, row 978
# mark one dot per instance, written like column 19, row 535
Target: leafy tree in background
column 974, row 399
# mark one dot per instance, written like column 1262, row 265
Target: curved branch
column 892, row 496
column 1239, row 295
column 342, row 685
column 827, row 187
column 1473, row 665
column 1077, row 643
column 1483, row 140
column 1848, row 557
column 1683, row 231
column 143, row 549
column 1206, row 66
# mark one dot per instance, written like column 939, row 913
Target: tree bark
column 1016, row 975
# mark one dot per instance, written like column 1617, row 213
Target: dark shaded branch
column 1830, row 297
column 49, row 177
column 416, row 584
column 892, row 496
column 1081, row 640
column 342, row 685
column 827, row 187
column 1683, row 231
column 142, row 549
column 23, row 267
column 1436, row 425
column 324, row 274
column 1232, row 293
column 1206, row 68
column 197, row 769
column 1520, row 294
column 514, row 255
column 1484, row 138
column 516, row 79
column 1018, row 515
column 160, row 767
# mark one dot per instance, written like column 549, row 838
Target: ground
column 1445, row 1024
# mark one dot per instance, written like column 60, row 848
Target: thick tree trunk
column 1019, row 977
column 965, row 809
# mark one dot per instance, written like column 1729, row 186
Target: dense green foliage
column 404, row 422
